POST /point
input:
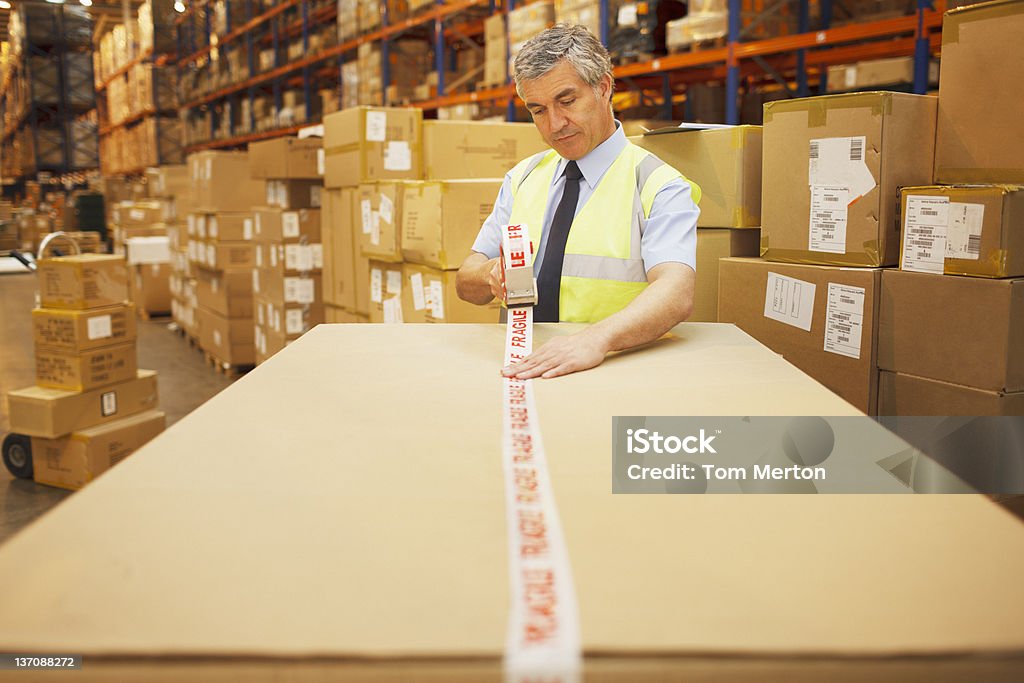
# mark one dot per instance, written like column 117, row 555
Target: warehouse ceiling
column 105, row 13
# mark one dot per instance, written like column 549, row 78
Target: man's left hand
column 561, row 356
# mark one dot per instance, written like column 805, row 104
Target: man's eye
column 536, row 112
column 567, row 103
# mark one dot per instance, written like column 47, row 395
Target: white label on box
column 397, row 156
column 191, row 220
column 924, row 234
column 320, row 161
column 314, row 196
column 201, row 227
column 844, row 319
column 271, row 190
column 277, row 319
column 209, row 169
column 247, row 229
column 307, row 291
column 259, row 255
column 789, row 301
column 273, row 255
column 259, row 314
column 99, row 327
column 282, row 195
column 216, row 338
column 963, row 233
column 375, row 228
column 136, row 214
column 108, row 403
column 851, row 76
column 436, row 300
column 394, row 282
column 290, row 224
column 293, row 323
column 387, row 208
column 828, row 218
column 211, row 255
column 256, row 281
column 291, row 290
column 627, row 15
column 840, row 162
column 393, row 310
column 258, row 224
column 376, row 126
column 317, row 252
column 418, row 299
column 367, row 211
column 214, row 227
column 298, row 257
column 376, row 286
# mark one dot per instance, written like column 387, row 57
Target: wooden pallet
column 225, row 368
column 181, row 332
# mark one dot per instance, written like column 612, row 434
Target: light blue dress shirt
column 669, row 236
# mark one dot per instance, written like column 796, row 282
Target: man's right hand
column 479, row 279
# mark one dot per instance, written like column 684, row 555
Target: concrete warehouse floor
column 184, row 381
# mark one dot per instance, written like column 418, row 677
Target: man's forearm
column 472, row 282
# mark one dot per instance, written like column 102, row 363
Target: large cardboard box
column 832, row 168
column 73, row 461
column 225, row 227
column 900, row 394
column 222, row 256
column 379, row 216
column 292, row 259
column 77, row 331
column 429, row 296
column 52, row 413
column 962, row 330
column 171, row 180
column 84, row 371
column 337, row 315
column 714, row 244
column 285, row 158
column 277, row 225
column 385, row 292
column 221, row 181
column 822, row 319
column 979, row 138
column 226, row 293
column 870, row 74
column 440, row 220
column 367, row 144
column 229, row 340
column 963, row 230
column 476, row 149
column 275, row 284
column 295, row 194
column 151, row 288
column 339, row 248
column 140, row 214
column 725, row 163
column 82, row 281
column 291, row 320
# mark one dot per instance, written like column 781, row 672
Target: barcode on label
column 814, row 149
column 974, row 245
column 856, row 149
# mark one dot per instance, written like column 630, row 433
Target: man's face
column 570, row 116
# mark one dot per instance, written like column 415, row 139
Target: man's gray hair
column 574, row 44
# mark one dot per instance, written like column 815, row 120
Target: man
column 613, row 227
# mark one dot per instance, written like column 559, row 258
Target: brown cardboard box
column 477, row 149
column 73, row 461
column 981, row 226
column 295, row 194
column 151, row 288
column 385, row 292
column 229, row 340
column 366, row 144
column 285, row 158
column 276, row 225
column 829, row 331
column 171, row 180
column 871, row 73
column 378, row 213
column 962, row 330
column 84, row 371
column 844, row 210
column 227, row 227
column 714, row 244
column 76, row 331
column 900, row 394
column 339, row 248
column 82, row 281
column 725, row 163
column 226, row 256
column 441, row 219
column 266, row 343
column 140, row 214
column 52, row 413
column 221, row 181
column 429, row 296
column 978, row 138
column 291, row 320
column 275, row 285
column 228, row 293
column 336, row 315
column 495, row 50
column 293, row 259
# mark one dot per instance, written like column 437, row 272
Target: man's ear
column 606, row 87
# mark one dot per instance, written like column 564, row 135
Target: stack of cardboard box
column 220, row 246
column 287, row 282
column 91, row 406
column 951, row 327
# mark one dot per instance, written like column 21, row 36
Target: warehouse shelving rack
column 793, row 63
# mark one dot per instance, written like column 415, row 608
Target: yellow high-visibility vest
column 602, row 270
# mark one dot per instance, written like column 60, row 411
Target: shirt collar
column 594, row 164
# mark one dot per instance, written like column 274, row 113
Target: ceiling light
column 86, row 3
column 179, row 7
column 55, row 2
column 4, row 4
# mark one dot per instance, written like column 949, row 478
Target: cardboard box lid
column 374, row 524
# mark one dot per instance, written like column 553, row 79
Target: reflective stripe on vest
column 602, row 270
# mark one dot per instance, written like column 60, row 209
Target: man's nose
column 556, row 120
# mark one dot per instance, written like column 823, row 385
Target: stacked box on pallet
column 287, row 283
column 91, row 406
column 527, row 21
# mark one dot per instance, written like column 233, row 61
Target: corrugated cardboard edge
column 817, row 108
column 955, row 18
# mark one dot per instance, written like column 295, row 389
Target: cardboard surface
column 440, row 220
column 226, row 293
column 340, row 245
column 979, row 138
column 848, row 365
column 429, row 296
column 173, row 563
column 285, row 158
column 900, row 394
column 963, row 330
column 725, row 163
column 898, row 141
column 228, row 340
column 221, row 181
column 378, row 212
column 476, row 149
column 82, row 281
column 76, row 331
column 88, row 370
column 52, row 413
column 714, row 244
column 151, row 287
column 273, row 224
column 367, row 144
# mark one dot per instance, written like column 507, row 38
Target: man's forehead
column 555, row 83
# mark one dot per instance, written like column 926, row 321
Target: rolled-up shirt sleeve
column 488, row 240
column 670, row 234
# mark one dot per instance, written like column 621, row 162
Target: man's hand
column 561, row 356
column 479, row 279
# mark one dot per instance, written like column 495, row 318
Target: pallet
column 147, row 316
column 181, row 332
column 225, row 368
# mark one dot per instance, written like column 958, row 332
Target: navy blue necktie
column 549, row 282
